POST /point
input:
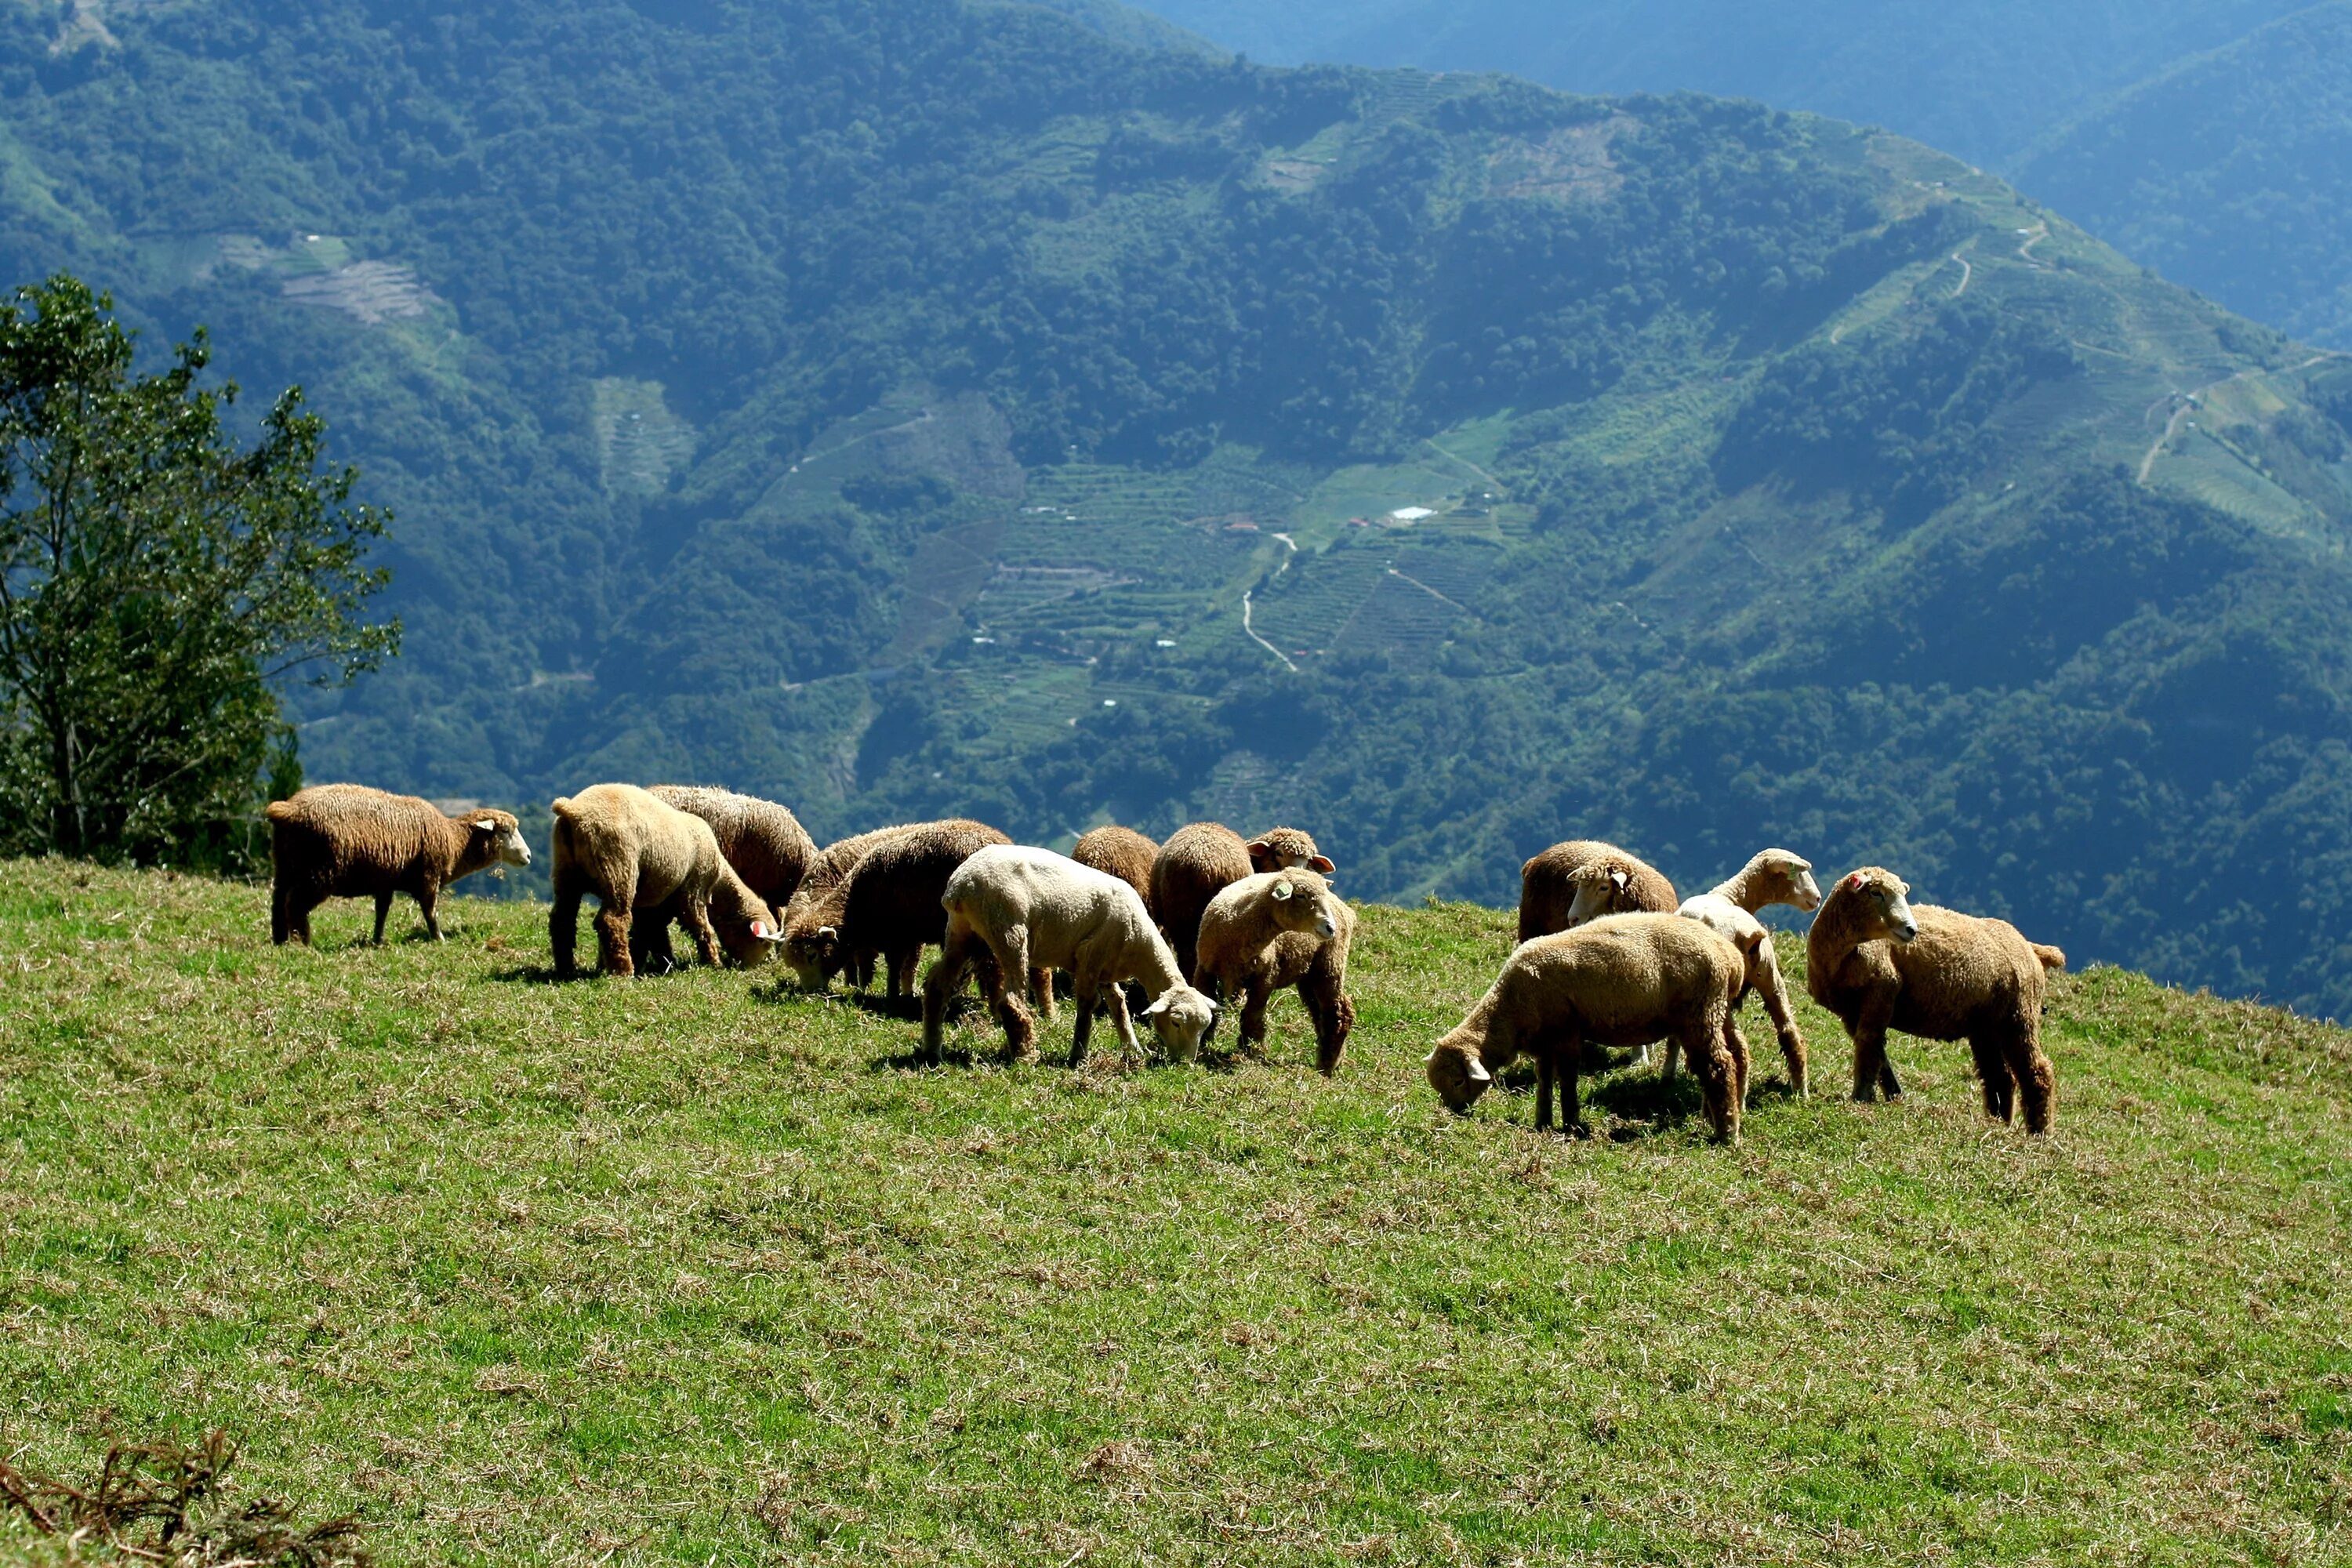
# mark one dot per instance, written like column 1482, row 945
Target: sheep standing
column 1770, row 877
column 634, row 851
column 1880, row 962
column 347, row 841
column 1583, row 879
column 1623, row 980
column 1201, row 859
column 764, row 842
column 1021, row 910
column 1278, row 929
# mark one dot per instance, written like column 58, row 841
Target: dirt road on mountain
column 2188, row 403
column 1290, row 547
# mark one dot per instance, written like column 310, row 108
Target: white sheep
column 1032, row 909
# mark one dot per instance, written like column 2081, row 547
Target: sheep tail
column 2051, row 957
column 562, row 808
column 280, row 811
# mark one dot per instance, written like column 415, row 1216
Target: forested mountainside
column 906, row 407
column 2206, row 141
column 2228, row 172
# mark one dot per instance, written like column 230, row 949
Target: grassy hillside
column 692, row 1271
column 903, row 408
column 2224, row 172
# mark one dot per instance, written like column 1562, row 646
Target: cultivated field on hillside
column 695, row 1269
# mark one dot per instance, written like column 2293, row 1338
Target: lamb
column 1880, row 962
column 811, row 920
column 1582, row 880
column 635, row 851
column 1009, row 910
column 763, row 841
column 1622, row 979
column 1199, row 861
column 347, row 841
column 1122, row 852
column 1278, row 929
column 1770, row 877
column 890, row 900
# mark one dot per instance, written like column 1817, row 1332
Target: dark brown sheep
column 347, row 841
column 763, row 842
column 889, row 903
column 1880, row 962
column 812, row 918
column 1583, row 879
column 1201, row 859
column 635, row 852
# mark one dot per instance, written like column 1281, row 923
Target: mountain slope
column 913, row 408
column 2228, row 172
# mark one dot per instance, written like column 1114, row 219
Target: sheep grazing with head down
column 1583, row 879
column 763, row 842
column 1278, row 929
column 347, row 841
column 890, row 900
column 1622, row 980
column 1770, row 877
column 812, row 917
column 1880, row 962
column 1201, row 859
column 635, row 852
column 1011, row 910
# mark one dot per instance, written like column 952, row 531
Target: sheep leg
column 282, row 919
column 1122, row 1020
column 1543, row 1086
column 1999, row 1085
column 1041, row 993
column 427, row 898
column 946, row 978
column 1256, row 993
column 1567, row 1051
column 1084, row 997
column 1670, row 1064
column 564, row 927
column 1735, row 1044
column 612, row 938
column 1334, row 1014
column 383, row 912
column 697, row 921
column 1775, row 992
column 2037, row 1084
column 1872, row 1070
column 1718, row 1078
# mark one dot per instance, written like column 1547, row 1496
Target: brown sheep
column 812, row 919
column 634, row 851
column 1203, row 858
column 763, row 841
column 890, row 903
column 1624, row 980
column 1880, row 962
column 1571, row 883
column 347, row 841
column 1122, row 852
column 1278, row 929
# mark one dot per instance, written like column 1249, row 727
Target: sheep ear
column 828, row 933
column 485, row 825
column 1855, row 882
column 1156, row 1008
column 1282, row 891
column 1478, row 1073
column 1259, row 849
column 1321, row 865
column 1620, row 878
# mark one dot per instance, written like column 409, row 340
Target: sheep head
column 1283, row 848
column 1182, row 1018
column 813, row 953
column 1793, row 879
column 1458, row 1076
column 494, row 837
column 746, row 927
column 1883, row 903
column 1302, row 901
column 1602, row 887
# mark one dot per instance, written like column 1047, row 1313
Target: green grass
column 691, row 1271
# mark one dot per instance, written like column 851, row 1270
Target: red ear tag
column 1854, row 881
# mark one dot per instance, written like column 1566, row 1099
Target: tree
column 158, row 580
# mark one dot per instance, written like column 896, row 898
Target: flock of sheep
column 1608, row 955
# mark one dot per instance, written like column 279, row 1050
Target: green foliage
column 155, row 579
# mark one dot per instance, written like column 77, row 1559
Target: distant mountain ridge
column 910, row 408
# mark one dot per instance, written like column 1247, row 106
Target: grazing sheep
column 347, row 841
column 1745, row 931
column 1278, row 929
column 1024, row 909
column 1880, row 962
column 1203, row 858
column 1582, row 880
column 890, row 900
column 763, row 841
column 1123, row 852
column 812, row 919
column 634, row 851
column 1623, row 980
